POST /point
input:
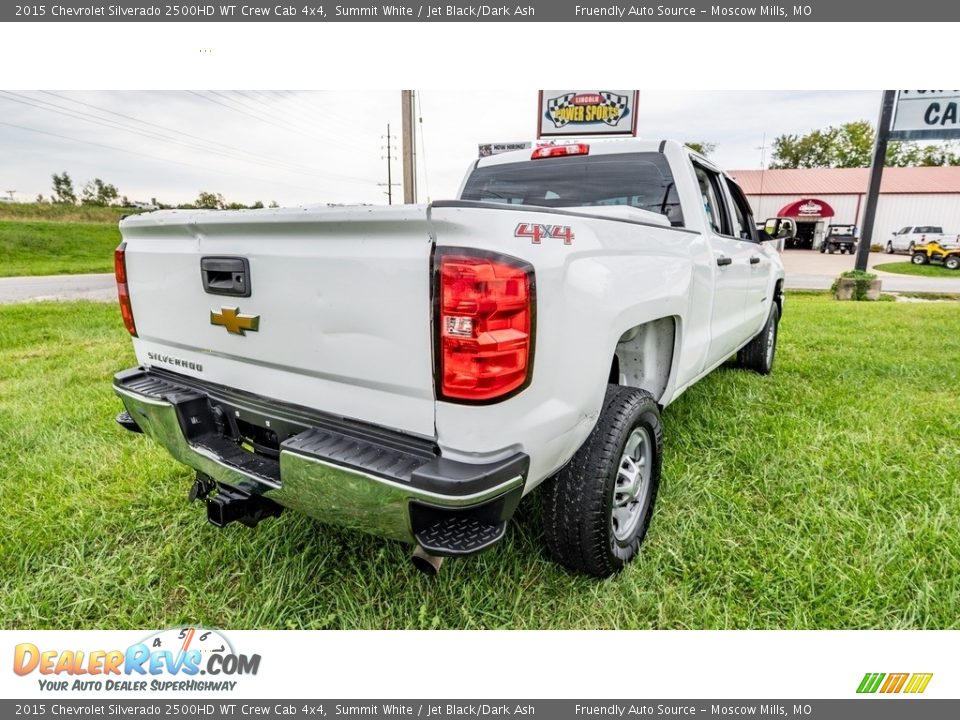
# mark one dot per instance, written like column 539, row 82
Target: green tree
column 704, row 148
column 851, row 145
column 209, row 201
column 63, row 192
column 97, row 192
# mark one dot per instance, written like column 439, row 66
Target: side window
column 742, row 214
column 714, row 206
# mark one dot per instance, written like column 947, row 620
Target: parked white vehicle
column 414, row 371
column 906, row 238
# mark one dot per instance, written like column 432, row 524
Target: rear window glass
column 640, row 180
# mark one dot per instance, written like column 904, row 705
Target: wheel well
column 643, row 357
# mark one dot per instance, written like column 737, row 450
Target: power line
column 134, row 152
column 114, row 125
column 174, row 130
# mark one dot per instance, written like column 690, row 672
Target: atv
column 933, row 251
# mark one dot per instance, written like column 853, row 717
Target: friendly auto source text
column 619, row 11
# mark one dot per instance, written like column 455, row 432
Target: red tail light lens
column 123, row 292
column 549, row 151
column 486, row 326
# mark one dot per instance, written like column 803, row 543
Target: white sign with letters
column 926, row 114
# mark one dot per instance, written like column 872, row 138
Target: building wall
column 893, row 211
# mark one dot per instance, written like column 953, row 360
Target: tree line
column 849, row 145
column 99, row 193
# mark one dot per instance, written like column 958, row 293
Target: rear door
column 745, row 230
column 333, row 314
column 733, row 272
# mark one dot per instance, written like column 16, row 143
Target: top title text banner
column 459, row 11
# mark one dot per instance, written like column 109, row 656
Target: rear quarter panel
column 611, row 277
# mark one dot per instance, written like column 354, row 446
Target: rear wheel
column 758, row 354
column 596, row 511
column 952, row 263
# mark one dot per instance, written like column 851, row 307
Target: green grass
column 53, row 248
column 63, row 213
column 908, row 268
column 823, row 496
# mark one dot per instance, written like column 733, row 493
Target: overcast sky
column 316, row 147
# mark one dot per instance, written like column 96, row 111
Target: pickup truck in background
column 414, row 371
column 907, row 238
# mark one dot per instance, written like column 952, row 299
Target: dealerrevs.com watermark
column 180, row 659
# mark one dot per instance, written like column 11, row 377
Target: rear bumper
column 336, row 470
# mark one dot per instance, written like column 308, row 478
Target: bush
column 862, row 281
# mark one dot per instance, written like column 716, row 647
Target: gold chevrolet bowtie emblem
column 234, row 321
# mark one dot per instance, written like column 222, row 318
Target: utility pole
column 10, row 193
column 876, row 175
column 389, row 158
column 409, row 147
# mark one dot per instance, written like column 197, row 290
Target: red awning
column 806, row 208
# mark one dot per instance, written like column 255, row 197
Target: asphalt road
column 806, row 270
column 100, row 287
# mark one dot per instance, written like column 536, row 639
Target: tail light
column 486, row 317
column 123, row 292
column 549, row 151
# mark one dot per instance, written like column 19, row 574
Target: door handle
column 226, row 276
column 754, row 259
column 721, row 261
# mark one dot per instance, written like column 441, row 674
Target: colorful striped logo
column 894, row 682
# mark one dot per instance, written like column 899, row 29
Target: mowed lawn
column 908, row 268
column 41, row 247
column 823, row 496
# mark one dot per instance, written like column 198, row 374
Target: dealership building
column 817, row 197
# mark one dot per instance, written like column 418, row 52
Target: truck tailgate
column 338, row 315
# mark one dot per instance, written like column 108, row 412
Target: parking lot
column 812, row 270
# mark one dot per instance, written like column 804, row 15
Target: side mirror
column 779, row 228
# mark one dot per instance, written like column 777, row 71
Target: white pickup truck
column 414, row 371
column 906, row 238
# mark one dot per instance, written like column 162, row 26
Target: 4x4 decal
column 537, row 232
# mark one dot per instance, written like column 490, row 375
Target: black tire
column 919, row 259
column 889, row 248
column 758, row 354
column 952, row 263
column 581, row 502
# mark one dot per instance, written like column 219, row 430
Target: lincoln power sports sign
column 587, row 112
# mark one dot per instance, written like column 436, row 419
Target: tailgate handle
column 226, row 276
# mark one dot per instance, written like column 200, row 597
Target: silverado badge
column 235, row 322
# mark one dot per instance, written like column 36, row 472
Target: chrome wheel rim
column 631, row 485
column 771, row 341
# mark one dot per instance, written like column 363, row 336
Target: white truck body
column 345, row 306
column 906, row 238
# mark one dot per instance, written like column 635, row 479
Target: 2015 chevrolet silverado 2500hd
column 414, row 371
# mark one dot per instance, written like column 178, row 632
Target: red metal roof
column 848, row 181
